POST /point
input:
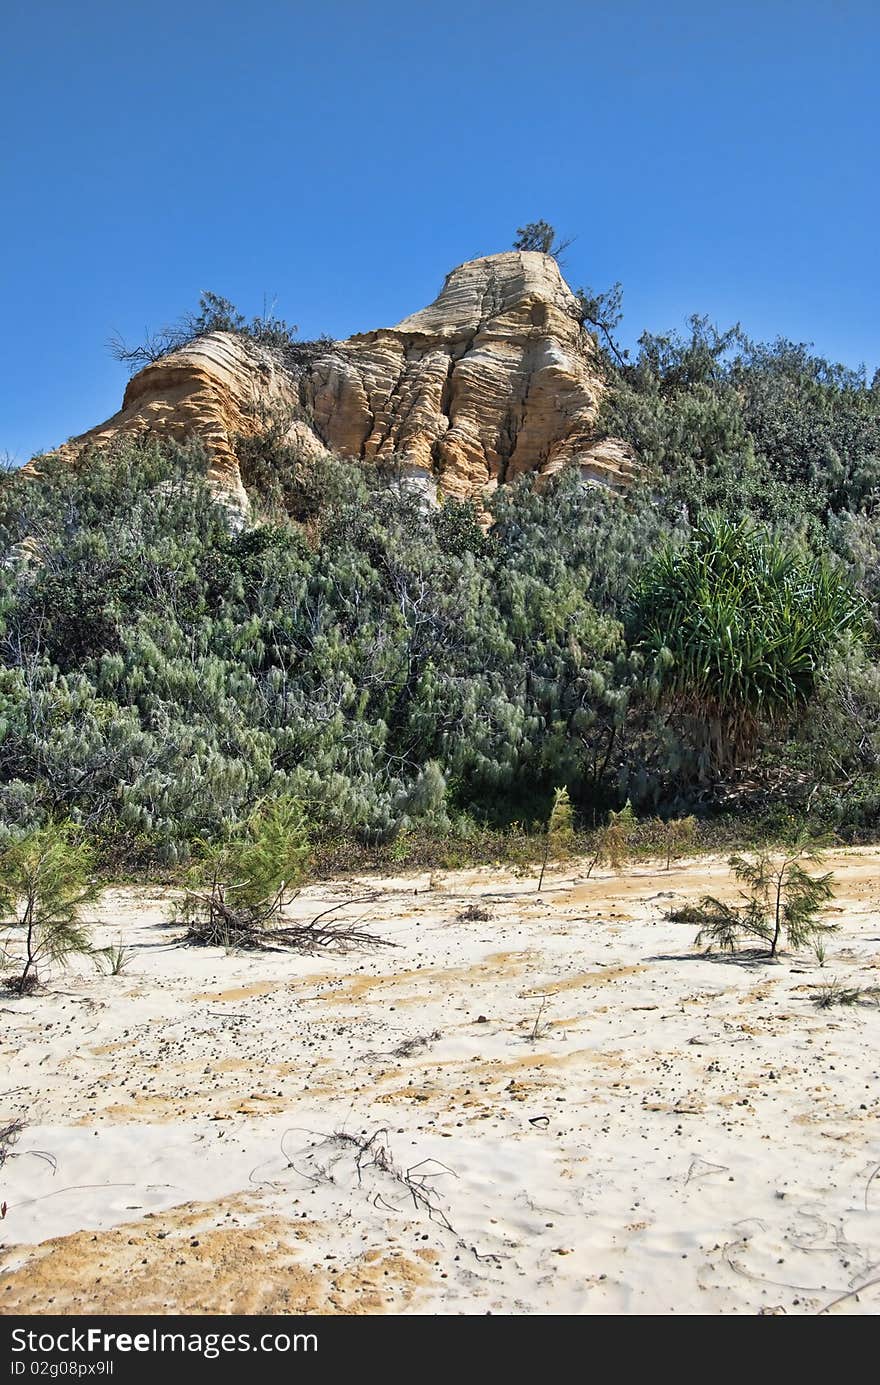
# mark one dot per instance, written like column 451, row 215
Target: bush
column 783, row 901
column 559, row 834
column 218, row 314
column 613, row 841
column 420, row 679
column 539, row 235
column 736, row 626
column 239, row 887
column 45, row 881
column 680, row 833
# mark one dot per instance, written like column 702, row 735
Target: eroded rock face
column 216, row 388
column 495, row 378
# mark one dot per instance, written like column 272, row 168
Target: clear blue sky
column 341, row 156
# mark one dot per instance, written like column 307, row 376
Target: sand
column 561, row 1108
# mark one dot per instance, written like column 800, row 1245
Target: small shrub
column 541, row 236
column 782, row 902
column 614, row 839
column 116, row 957
column 240, row 886
column 560, row 831
column 680, row 833
column 45, row 881
column 474, row 913
column 835, row 994
column 686, row 913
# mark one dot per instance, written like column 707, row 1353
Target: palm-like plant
column 736, row 626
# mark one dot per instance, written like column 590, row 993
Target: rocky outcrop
column 495, row 378
column 217, row 388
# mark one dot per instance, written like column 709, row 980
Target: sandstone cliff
column 495, row 378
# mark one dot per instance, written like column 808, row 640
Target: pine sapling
column 239, row 886
column 559, row 833
column 45, row 881
column 782, row 903
column 613, row 840
column 680, row 833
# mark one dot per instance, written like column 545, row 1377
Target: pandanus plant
column 735, row 626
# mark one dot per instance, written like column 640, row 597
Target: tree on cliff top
column 540, row 235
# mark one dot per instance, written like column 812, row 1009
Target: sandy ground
column 560, row 1108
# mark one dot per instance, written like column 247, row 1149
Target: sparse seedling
column 680, row 833
column 782, row 902
column 538, row 1027
column 834, row 993
column 559, row 836
column 116, row 957
column 613, row 840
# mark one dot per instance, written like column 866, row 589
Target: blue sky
column 340, row 157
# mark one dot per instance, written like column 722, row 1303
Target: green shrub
column 403, row 671
column 782, row 902
column 46, row 879
column 613, row 841
column 559, row 832
column 239, row 886
column 736, row 627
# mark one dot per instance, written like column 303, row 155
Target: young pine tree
column 613, row 840
column 240, row 885
column 782, row 902
column 559, row 835
column 45, row 881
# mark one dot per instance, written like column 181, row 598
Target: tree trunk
column 29, row 940
column 778, row 919
column 544, row 862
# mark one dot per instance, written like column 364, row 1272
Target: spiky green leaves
column 736, row 627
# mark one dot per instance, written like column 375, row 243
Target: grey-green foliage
column 162, row 671
column 767, row 431
column 382, row 663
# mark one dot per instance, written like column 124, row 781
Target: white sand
column 599, row 1119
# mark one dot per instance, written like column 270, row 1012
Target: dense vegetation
column 389, row 666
